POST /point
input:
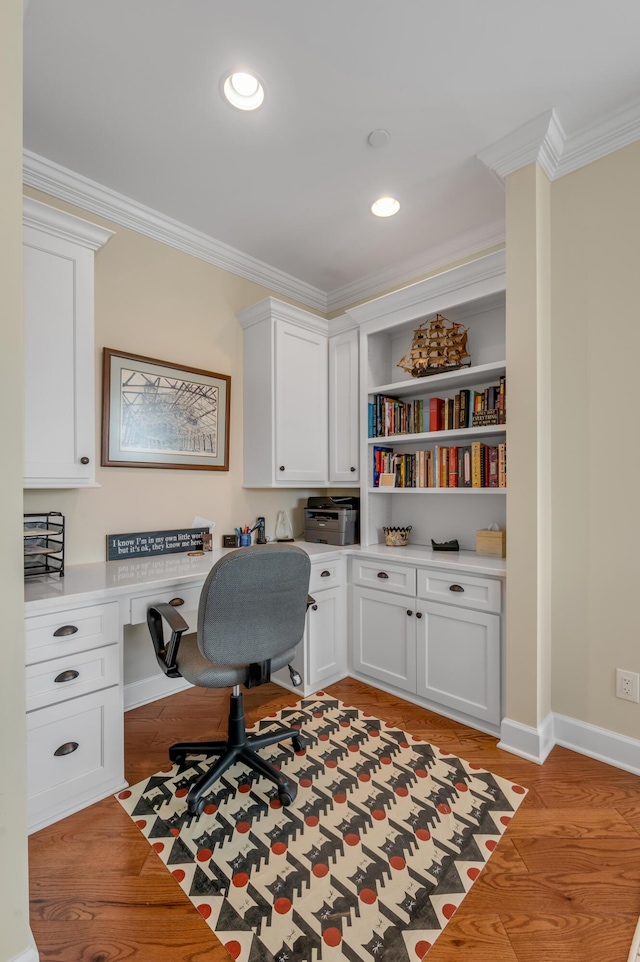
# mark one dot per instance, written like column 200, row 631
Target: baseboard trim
column 599, row 743
column 138, row 693
column 30, row 954
column 534, row 744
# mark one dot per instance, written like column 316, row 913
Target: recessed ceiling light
column 243, row 90
column 385, row 207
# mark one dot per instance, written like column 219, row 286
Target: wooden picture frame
column 156, row 414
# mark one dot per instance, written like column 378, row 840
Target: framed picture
column 161, row 415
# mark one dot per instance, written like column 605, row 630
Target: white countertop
column 99, row 581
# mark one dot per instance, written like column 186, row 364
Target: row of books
column 468, row 409
column 476, row 465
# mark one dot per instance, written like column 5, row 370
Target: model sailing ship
column 438, row 345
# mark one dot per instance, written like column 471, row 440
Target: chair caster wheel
column 298, row 744
column 287, row 796
column 178, row 758
column 197, row 807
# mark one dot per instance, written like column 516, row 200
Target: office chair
column 250, row 619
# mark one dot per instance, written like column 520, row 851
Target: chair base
column 238, row 747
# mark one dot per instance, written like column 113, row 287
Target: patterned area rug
column 375, row 855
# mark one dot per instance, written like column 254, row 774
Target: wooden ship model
column 438, row 345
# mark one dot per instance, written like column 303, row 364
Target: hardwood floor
column 562, row 886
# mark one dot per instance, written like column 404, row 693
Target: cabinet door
column 59, row 358
column 384, row 637
column 343, row 407
column 458, row 659
column 326, row 638
column 301, row 404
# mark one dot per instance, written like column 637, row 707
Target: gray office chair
column 250, row 620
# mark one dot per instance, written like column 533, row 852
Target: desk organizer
column 43, row 543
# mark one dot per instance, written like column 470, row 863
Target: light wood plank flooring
column 562, row 886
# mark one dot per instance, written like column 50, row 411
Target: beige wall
column 14, row 919
column 595, row 250
column 156, row 301
column 528, row 494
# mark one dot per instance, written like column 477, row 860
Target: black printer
column 331, row 520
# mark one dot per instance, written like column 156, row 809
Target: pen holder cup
column 245, row 540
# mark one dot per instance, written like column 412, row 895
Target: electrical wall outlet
column 627, row 685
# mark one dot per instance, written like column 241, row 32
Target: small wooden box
column 491, row 543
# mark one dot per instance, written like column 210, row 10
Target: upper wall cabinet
column 344, row 454
column 285, row 396
column 60, row 449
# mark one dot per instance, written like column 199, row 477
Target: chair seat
column 198, row 670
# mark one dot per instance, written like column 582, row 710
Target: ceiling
column 126, row 93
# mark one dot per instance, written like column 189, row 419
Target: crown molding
column 67, row 227
column 543, row 141
column 484, row 277
column 471, row 243
column 58, row 181
column 540, row 141
column 270, row 308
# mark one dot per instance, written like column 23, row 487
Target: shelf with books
column 463, row 491
column 466, row 435
column 477, row 375
column 468, row 408
column 469, row 467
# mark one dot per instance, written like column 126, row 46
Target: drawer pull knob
column 325, row 574
column 314, row 607
column 409, row 612
column 383, row 574
column 352, row 470
column 84, row 460
column 456, row 588
column 281, row 468
column 66, row 749
column 418, row 614
column 69, row 675
column 176, row 602
column 64, row 631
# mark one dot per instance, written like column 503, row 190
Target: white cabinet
column 445, row 652
column 383, row 638
column 285, row 396
column 75, row 752
column 60, row 449
column 458, row 659
column 344, row 456
column 321, row 657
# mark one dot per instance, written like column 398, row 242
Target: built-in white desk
column 75, row 632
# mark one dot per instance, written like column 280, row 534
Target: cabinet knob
column 409, row 612
column 176, row 602
column 64, row 631
column 69, row 675
column 84, row 460
column 314, row 607
column 418, row 614
column 66, row 749
column 352, row 470
column 281, row 468
column 325, row 574
column 383, row 574
column 456, row 588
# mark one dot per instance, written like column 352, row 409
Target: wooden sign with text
column 143, row 544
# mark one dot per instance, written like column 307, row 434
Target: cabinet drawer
column 190, row 599
column 53, row 681
column 466, row 591
column 67, row 632
column 90, row 727
column 327, row 574
column 388, row 577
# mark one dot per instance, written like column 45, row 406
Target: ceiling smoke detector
column 385, row 207
column 378, row 138
column 243, row 89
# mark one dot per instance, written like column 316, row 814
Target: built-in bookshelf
column 400, row 440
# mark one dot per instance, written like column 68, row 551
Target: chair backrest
column 253, row 604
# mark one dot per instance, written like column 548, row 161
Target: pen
column 238, row 532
